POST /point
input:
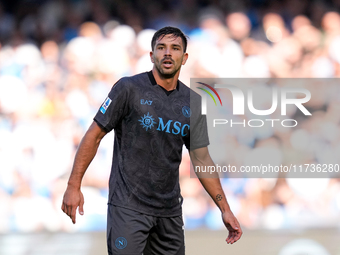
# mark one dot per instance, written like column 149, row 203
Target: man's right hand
column 72, row 199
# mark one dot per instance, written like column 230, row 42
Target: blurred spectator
column 6, row 24
column 239, row 26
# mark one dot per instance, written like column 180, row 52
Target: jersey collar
column 153, row 81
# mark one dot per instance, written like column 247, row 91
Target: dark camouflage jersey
column 151, row 125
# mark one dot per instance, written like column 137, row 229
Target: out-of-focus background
column 58, row 61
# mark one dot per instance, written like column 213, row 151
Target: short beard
column 166, row 75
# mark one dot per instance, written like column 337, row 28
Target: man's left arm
column 212, row 184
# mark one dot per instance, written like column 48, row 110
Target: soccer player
column 153, row 115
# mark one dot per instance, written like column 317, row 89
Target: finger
column 65, row 208
column 232, row 237
column 229, row 238
column 237, row 232
column 237, row 236
column 73, row 214
column 81, row 206
column 68, row 210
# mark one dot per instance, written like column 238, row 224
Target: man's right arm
column 73, row 197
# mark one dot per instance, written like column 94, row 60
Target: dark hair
column 175, row 32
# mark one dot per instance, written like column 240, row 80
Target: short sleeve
column 198, row 136
column 114, row 107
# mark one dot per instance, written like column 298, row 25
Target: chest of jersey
column 154, row 111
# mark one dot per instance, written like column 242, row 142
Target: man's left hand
column 233, row 226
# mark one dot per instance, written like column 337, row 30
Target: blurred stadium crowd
column 59, row 59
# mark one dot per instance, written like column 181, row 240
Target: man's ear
column 151, row 57
column 185, row 58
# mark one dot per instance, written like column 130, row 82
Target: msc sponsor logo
column 173, row 127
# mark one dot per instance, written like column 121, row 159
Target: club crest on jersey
column 186, row 111
column 105, row 105
column 121, row 243
column 147, row 121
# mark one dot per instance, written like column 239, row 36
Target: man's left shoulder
column 187, row 91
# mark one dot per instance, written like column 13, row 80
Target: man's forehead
column 169, row 38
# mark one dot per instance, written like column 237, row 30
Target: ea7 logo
column 143, row 101
column 239, row 101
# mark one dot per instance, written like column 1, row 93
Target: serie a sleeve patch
column 105, row 105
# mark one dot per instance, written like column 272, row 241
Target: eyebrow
column 174, row 44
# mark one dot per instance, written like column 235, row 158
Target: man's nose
column 167, row 52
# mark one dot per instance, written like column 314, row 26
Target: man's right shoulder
column 134, row 78
column 130, row 82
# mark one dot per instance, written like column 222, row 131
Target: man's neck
column 168, row 84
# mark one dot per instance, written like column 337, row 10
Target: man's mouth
column 167, row 63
